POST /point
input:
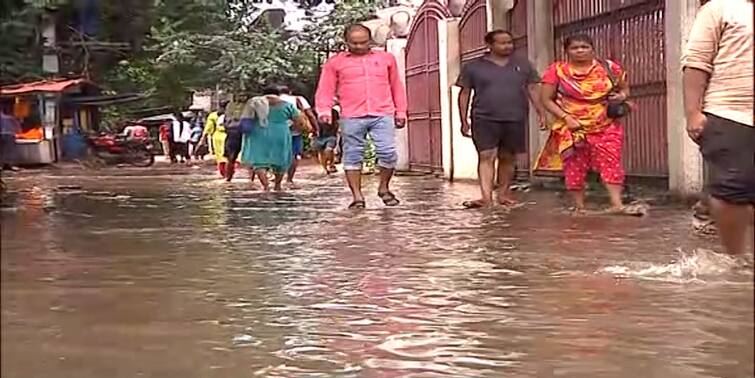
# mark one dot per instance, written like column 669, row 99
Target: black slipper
column 389, row 199
column 357, row 205
column 473, row 204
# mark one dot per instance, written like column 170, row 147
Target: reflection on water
column 183, row 276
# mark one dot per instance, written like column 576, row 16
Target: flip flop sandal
column 473, row 205
column 357, row 205
column 630, row 210
column 389, row 199
column 575, row 211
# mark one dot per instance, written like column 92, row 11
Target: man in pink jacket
column 373, row 100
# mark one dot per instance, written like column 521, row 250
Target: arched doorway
column 423, row 88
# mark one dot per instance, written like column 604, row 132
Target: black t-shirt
column 500, row 92
column 327, row 130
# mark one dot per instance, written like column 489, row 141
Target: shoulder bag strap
column 609, row 72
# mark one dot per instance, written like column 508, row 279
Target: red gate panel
column 423, row 88
column 630, row 32
column 472, row 29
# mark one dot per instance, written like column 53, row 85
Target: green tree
column 326, row 33
column 20, row 41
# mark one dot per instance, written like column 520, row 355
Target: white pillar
column 397, row 47
column 450, row 60
column 540, row 49
column 684, row 160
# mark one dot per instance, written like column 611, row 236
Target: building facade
column 645, row 36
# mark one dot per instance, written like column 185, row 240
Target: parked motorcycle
column 118, row 149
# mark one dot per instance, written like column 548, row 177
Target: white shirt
column 292, row 100
column 721, row 44
column 181, row 134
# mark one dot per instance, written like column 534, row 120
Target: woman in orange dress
column 576, row 92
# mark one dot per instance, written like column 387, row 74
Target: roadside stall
column 53, row 123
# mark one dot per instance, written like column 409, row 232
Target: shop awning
column 45, row 86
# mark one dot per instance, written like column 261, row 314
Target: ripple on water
column 227, row 282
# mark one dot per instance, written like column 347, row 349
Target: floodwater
column 142, row 273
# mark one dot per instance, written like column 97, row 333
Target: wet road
column 148, row 274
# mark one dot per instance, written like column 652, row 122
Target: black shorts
column 729, row 149
column 506, row 135
column 232, row 146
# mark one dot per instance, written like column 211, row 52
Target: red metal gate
column 472, row 29
column 423, row 88
column 630, row 32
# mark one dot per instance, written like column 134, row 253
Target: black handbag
column 615, row 109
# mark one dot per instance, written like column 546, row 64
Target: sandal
column 576, row 211
column 389, row 199
column 357, row 205
column 508, row 202
column 477, row 204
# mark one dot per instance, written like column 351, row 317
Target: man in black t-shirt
column 502, row 84
column 325, row 143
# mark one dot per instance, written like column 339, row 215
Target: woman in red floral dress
column 576, row 92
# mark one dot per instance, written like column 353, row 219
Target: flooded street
column 140, row 273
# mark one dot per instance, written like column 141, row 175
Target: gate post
column 684, row 160
column 397, row 48
column 540, row 50
column 450, row 66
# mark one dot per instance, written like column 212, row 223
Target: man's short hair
column 490, row 36
column 353, row 27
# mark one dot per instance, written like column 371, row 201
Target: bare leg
column 323, row 162
column 278, row 180
column 262, row 175
column 733, row 222
column 354, row 179
column 506, row 164
column 579, row 198
column 292, row 170
column 486, row 174
column 614, row 192
column 230, row 169
column 252, row 173
column 385, row 180
column 329, row 159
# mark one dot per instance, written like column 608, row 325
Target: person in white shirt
column 297, row 140
column 719, row 97
column 179, row 138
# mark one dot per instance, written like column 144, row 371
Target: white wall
column 684, row 159
column 464, row 152
column 459, row 154
column 397, row 47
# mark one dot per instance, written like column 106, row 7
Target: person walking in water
column 325, row 143
column 502, row 85
column 214, row 135
column 585, row 134
column 373, row 101
column 297, row 138
column 718, row 102
column 267, row 146
column 236, row 110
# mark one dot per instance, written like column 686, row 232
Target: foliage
column 178, row 46
column 20, row 44
column 370, row 156
column 326, row 33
